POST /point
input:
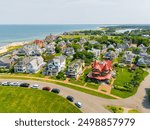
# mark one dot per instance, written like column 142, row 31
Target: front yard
column 127, row 81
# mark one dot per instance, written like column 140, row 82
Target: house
column 55, row 65
column 30, row 50
column 110, row 55
column 101, row 70
column 128, row 57
column 124, row 46
column 142, row 48
column 96, row 52
column 93, row 42
column 5, row 62
column 83, row 40
column 62, row 44
column 75, row 68
column 144, row 60
column 50, row 38
column 69, row 51
column 50, row 48
column 35, row 64
column 29, row 65
column 39, row 43
column 111, row 46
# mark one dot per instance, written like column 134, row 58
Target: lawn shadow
column 145, row 102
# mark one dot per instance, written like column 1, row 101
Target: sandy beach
column 4, row 48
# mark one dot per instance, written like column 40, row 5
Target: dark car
column 46, row 88
column 70, row 98
column 55, row 90
column 78, row 104
column 26, row 85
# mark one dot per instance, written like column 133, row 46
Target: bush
column 61, row 75
column 115, row 109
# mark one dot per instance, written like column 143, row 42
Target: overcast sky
column 74, row 11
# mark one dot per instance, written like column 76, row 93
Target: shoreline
column 4, row 48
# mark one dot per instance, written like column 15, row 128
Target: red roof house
column 101, row 70
column 39, row 43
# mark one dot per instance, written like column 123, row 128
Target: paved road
column 93, row 104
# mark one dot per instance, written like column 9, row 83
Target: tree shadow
column 146, row 102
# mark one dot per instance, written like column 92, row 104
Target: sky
column 74, row 11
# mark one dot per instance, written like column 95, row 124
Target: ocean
column 18, row 33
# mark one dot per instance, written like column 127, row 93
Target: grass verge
column 24, row 100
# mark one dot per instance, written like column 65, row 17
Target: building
column 142, row 48
column 39, row 43
column 144, row 61
column 110, row 55
column 5, row 62
column 50, row 38
column 75, row 68
column 55, row 65
column 128, row 57
column 96, row 52
column 50, row 48
column 69, row 51
column 101, row 71
column 29, row 65
column 30, row 50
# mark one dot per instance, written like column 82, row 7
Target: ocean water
column 16, row 33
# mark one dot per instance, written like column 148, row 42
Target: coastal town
column 101, row 61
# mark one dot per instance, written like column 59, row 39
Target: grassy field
column 24, row 100
column 125, row 76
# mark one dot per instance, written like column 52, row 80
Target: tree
column 136, row 50
column 61, row 75
column 148, row 50
column 111, row 49
column 58, row 49
column 75, row 46
column 84, row 55
column 97, row 46
column 88, row 46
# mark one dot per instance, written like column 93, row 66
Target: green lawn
column 93, row 85
column 25, row 100
column 133, row 111
column 124, row 76
column 115, row 109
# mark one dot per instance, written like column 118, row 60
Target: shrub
column 61, row 75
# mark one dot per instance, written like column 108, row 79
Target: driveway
column 93, row 104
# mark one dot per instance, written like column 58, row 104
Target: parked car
column 36, row 86
column 26, row 85
column 5, row 84
column 8, row 83
column 46, row 88
column 78, row 104
column 55, row 90
column 14, row 84
column 70, row 98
